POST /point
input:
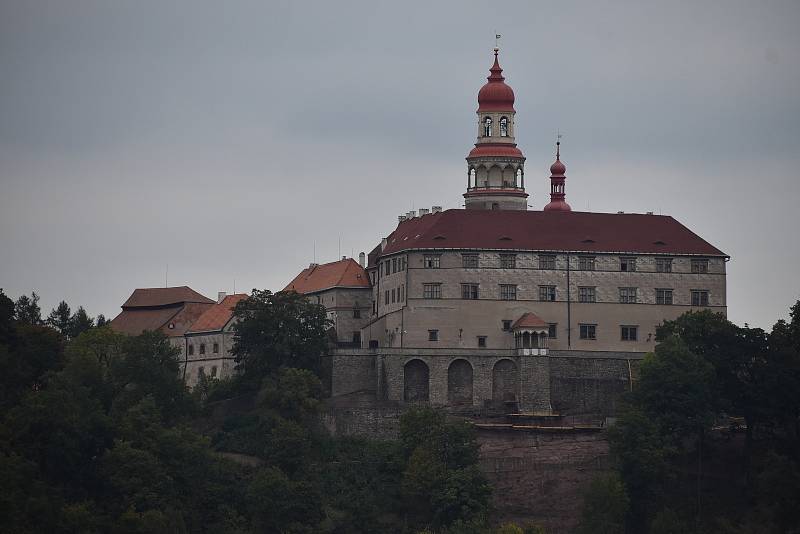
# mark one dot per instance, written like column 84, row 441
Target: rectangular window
column 587, row 294
column 547, row 262
column 547, row 293
column 508, row 261
column 586, row 263
column 627, row 264
column 506, row 325
column 202, row 348
column 629, row 333
column 432, row 261
column 627, row 295
column 213, row 371
column 432, row 291
column 393, row 298
column 191, row 350
column 357, row 337
column 699, row 297
column 508, row 292
column 433, row 335
column 215, row 348
column 394, row 265
column 588, row 331
column 663, row 265
column 385, row 268
column 403, row 263
column 386, row 297
column 402, row 292
column 552, row 330
column 469, row 261
column 201, row 371
column 482, row 341
column 699, row 266
column 663, row 296
column 469, row 291
column 356, row 313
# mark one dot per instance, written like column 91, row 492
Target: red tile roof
column 548, row 230
column 163, row 296
column 134, row 321
column 529, row 320
column 217, row 316
column 342, row 273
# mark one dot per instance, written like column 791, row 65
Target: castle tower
column 495, row 167
column 557, row 177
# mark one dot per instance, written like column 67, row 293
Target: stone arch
column 416, row 380
column 495, row 176
column 504, row 381
column 509, row 176
column 459, row 382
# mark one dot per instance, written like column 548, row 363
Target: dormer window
column 487, row 127
column 503, row 127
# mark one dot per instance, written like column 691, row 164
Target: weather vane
column 497, row 40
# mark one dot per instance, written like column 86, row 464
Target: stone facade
column 209, row 354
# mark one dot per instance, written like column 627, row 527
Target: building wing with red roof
column 171, row 310
column 217, row 316
column 345, row 273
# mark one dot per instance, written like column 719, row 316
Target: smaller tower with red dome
column 495, row 167
column 557, row 178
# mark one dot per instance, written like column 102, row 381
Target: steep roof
column 217, row 316
column 163, row 296
column 548, row 230
column 342, row 273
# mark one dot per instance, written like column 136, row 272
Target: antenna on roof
column 166, row 276
column 340, row 246
column 234, row 286
column 315, row 251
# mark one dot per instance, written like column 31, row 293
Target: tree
column 79, row 323
column 101, row 320
column 276, row 330
column 59, row 318
column 605, row 506
column 27, row 309
column 7, row 317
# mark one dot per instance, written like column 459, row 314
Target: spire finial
column 558, row 145
column 496, row 42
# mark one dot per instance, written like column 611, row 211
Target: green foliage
column 79, row 323
column 605, row 506
column 59, row 317
column 27, row 310
column 275, row 330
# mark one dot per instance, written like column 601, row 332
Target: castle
column 491, row 305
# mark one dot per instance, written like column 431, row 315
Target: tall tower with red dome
column 558, row 196
column 495, row 167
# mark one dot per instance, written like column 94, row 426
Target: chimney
column 649, row 212
column 384, row 242
column 436, row 209
column 221, row 296
column 401, row 218
column 362, row 259
column 423, row 211
column 412, row 214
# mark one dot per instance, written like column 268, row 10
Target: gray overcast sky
column 226, row 138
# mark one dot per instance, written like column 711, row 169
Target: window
column 586, row 263
column 627, row 264
column 508, row 261
column 663, row 265
column 508, row 292
column 627, row 295
column 191, row 350
column 699, row 297
column 482, row 341
column 552, row 330
column 386, row 297
column 699, row 266
column 587, row 294
column 495, row 205
column 394, row 265
column 547, row 293
column 385, row 268
column 213, row 371
column 629, row 333
column 663, row 296
column 431, row 261
column 215, row 348
column 469, row 261
column 432, row 291
column 506, row 325
column 469, row 291
column 402, row 262
column 503, row 127
column 487, row 127
column 356, row 313
column 433, row 335
column 588, row 331
column 393, row 300
column 201, row 372
column 547, row 262
column 402, row 292
column 357, row 337
column 202, row 348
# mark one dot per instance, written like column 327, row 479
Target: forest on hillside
column 99, row 434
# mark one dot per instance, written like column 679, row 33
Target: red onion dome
column 496, row 95
column 558, row 168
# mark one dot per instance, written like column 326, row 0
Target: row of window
column 585, row 263
column 395, row 295
column 395, row 265
column 214, row 349
column 201, row 372
column 627, row 295
column 487, row 126
column 586, row 331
